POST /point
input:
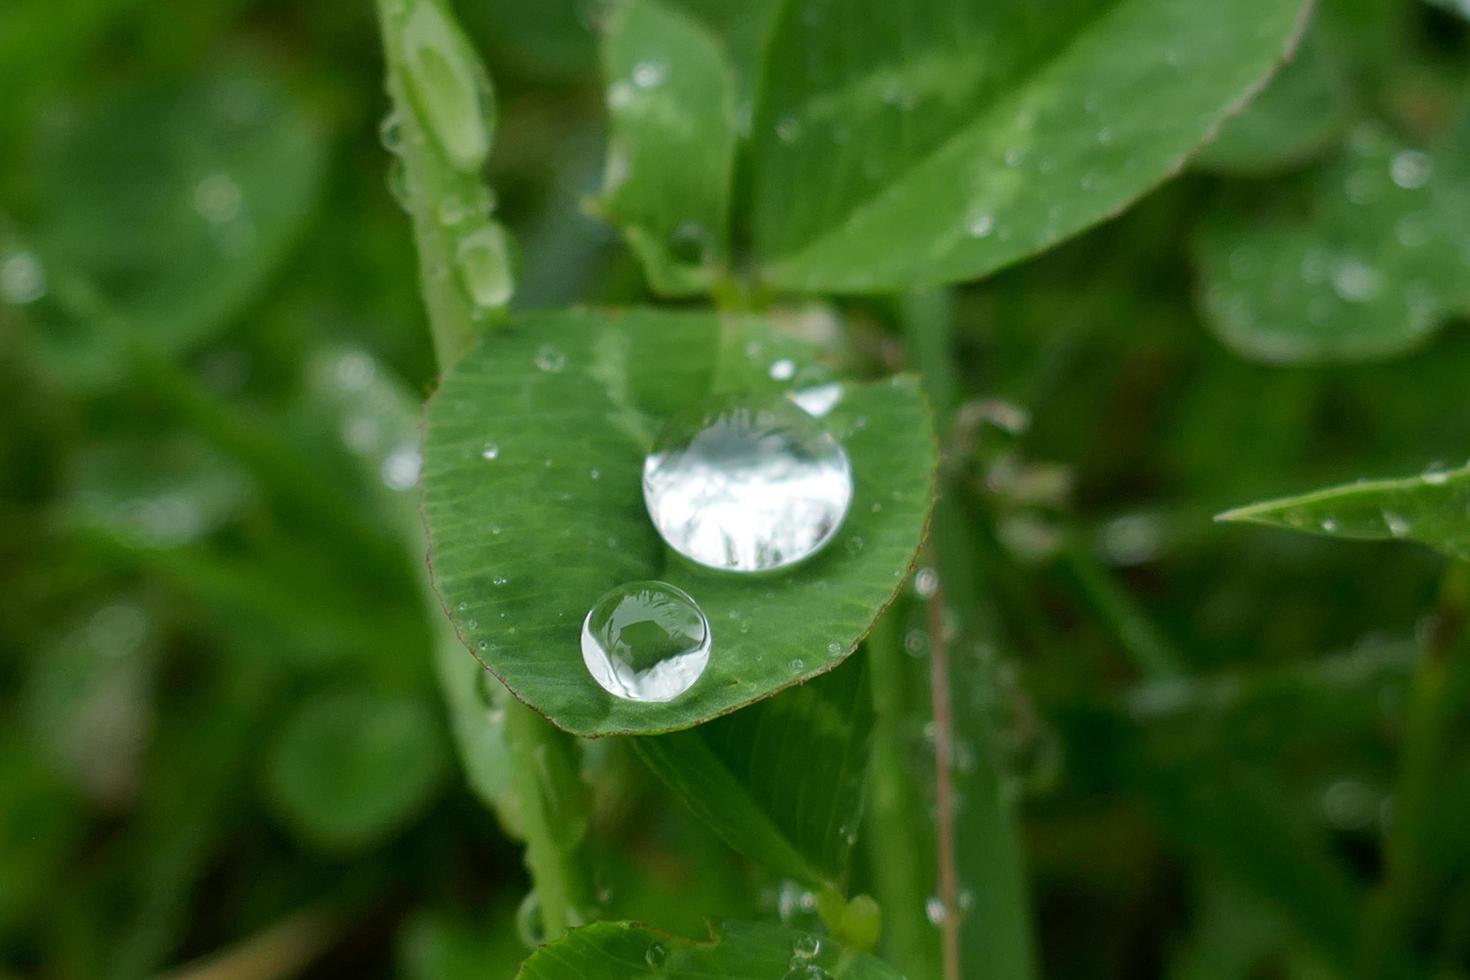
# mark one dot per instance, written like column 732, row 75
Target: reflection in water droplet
column 746, row 485
column 819, row 400
column 646, row 641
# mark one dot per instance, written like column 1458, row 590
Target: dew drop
column 22, row 278
column 1410, row 169
column 217, row 198
column 934, row 910
column 400, row 469
column 390, row 132
column 806, row 946
column 783, row 370
column 788, row 128
column 490, row 451
column 1436, row 475
column 819, row 400
column 746, row 485
column 798, row 665
column 647, row 74
column 646, row 641
column 1356, row 282
column 981, row 225
column 550, row 359
column 655, row 954
column 447, row 83
column 1396, row 524
column 1329, row 524
column 483, row 260
column 926, row 583
column 834, row 649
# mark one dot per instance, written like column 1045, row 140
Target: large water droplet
column 646, row 641
column 483, row 259
column 747, row 485
column 447, row 84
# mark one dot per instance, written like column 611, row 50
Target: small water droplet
column 783, row 370
column 1397, row 525
column 22, row 278
column 1014, row 156
column 788, row 128
column 400, row 469
column 746, row 485
column 1329, row 524
column 1356, row 282
column 1436, row 474
column 981, row 225
column 690, row 243
column 390, row 132
column 926, row 583
column 806, row 946
column 916, row 643
column 217, row 198
column 655, row 954
column 934, row 910
column 595, row 473
column 491, row 450
column 647, row 74
column 550, row 359
column 1411, row 169
column 646, row 641
column 483, row 260
column 798, row 665
column 818, row 401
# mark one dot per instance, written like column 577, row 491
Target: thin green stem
column 894, row 836
column 438, row 179
column 1141, row 641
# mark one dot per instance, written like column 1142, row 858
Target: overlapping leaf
column 1366, row 263
column 1432, row 508
column 738, row 951
column 533, row 500
column 893, row 145
column 782, row 781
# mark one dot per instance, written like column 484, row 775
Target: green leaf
column 523, row 543
column 348, row 769
column 737, row 951
column 1432, row 508
column 669, row 176
column 900, row 144
column 781, row 781
column 161, row 212
column 1295, row 117
column 1366, row 263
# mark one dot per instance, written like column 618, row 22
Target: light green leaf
column 737, row 951
column 1294, row 118
column 669, row 176
column 533, row 500
column 901, row 144
column 161, row 212
column 350, row 768
column 1366, row 264
column 1432, row 508
column 781, row 781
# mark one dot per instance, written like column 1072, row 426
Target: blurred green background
column 222, row 749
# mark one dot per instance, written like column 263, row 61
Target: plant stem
column 433, row 184
column 1140, row 640
column 940, row 697
column 984, row 841
column 893, row 835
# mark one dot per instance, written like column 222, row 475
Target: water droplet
column 798, row 665
column 746, row 485
column 390, row 132
column 646, row 641
column 1410, row 169
column 690, row 243
column 1397, row 525
column 595, row 473
column 647, row 74
column 806, row 946
column 447, row 84
column 454, row 209
column 655, row 955
column 934, row 910
column 1014, row 156
column 217, row 198
column 834, row 649
column 499, row 580
column 981, row 225
column 491, row 451
column 926, row 583
column 1356, row 282
column 783, row 370
column 1329, row 524
column 916, row 643
column 398, row 184
column 22, row 278
column 1436, row 474
column 788, row 128
column 483, row 260
column 550, row 359
column 400, row 469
